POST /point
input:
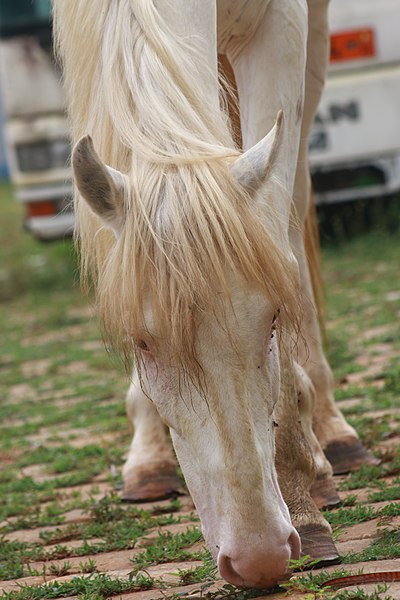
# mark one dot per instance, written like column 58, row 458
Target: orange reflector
column 350, row 45
column 44, row 208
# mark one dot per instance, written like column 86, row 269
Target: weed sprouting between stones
column 386, row 493
column 359, row 594
column 118, row 525
column 346, row 517
column 314, row 585
column 60, row 570
column 168, row 547
column 89, row 566
column 95, row 586
column 350, row 500
column 207, row 572
column 386, row 545
column 224, row 592
column 311, row 582
column 368, row 475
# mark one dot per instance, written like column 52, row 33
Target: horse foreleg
column 323, row 489
column 338, row 439
column 150, row 470
column 269, row 71
column 296, row 467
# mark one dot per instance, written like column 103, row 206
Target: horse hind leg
column 149, row 472
column 338, row 439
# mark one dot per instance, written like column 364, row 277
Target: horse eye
column 141, row 344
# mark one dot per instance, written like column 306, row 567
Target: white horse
column 196, row 254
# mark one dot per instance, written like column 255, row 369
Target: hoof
column 323, row 492
column 158, row 483
column 348, row 455
column 317, row 543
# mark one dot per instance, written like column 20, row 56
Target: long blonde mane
column 137, row 90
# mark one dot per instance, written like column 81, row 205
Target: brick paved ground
column 71, row 534
column 63, row 436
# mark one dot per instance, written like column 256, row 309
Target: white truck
column 36, row 130
column 355, row 142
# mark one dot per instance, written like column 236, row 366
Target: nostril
column 261, row 571
column 227, row 571
column 295, row 545
column 262, row 564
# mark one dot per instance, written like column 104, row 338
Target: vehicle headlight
column 44, row 155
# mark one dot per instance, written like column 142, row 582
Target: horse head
column 220, row 413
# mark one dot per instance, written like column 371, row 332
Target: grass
column 385, row 493
column 168, row 547
column 368, row 475
column 63, row 423
column 118, row 525
column 346, row 517
column 92, row 587
column 386, row 545
column 316, row 585
column 207, row 572
column 29, row 268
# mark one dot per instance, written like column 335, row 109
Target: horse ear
column 254, row 166
column 101, row 186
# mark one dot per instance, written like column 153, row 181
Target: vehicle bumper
column 51, row 228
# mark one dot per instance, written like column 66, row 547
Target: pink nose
column 259, row 568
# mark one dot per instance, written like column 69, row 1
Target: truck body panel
column 355, row 142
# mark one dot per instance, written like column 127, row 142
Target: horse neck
column 197, row 21
column 105, row 98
